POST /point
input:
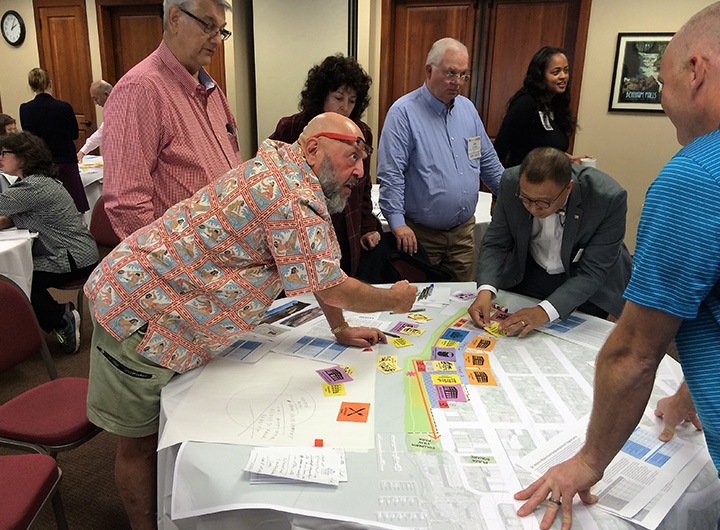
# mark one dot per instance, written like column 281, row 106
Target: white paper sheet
column 323, row 465
column 276, row 401
column 642, row 471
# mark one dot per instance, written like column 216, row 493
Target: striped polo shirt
column 677, row 265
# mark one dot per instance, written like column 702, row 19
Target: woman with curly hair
column 64, row 249
column 339, row 84
column 538, row 115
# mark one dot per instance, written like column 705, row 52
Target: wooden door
column 130, row 30
column 409, row 28
column 515, row 30
column 65, row 53
column 501, row 36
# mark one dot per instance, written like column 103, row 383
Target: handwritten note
column 334, row 390
column 323, row 465
column 399, row 342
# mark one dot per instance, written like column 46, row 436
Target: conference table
column 448, row 465
column 91, row 174
column 16, row 260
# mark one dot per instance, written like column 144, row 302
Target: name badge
column 474, row 148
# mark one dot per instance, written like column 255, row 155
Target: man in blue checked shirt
column 433, row 152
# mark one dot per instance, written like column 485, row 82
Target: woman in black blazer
column 54, row 121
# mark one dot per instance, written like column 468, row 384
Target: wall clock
column 12, row 28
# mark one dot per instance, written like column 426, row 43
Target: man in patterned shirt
column 184, row 289
column 674, row 291
column 168, row 129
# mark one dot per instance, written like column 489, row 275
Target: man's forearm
column 624, row 377
column 361, row 297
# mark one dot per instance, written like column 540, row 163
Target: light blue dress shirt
column 424, row 169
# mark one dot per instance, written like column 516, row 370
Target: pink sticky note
column 334, row 375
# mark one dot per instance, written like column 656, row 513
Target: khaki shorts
column 124, row 389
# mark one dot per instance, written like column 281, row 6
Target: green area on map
column 417, row 415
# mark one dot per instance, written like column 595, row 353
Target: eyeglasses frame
column 210, row 29
column 537, row 202
column 347, row 138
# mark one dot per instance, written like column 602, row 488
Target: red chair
column 51, row 417
column 27, row 482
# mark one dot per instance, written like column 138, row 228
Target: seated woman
column 64, row 249
column 538, row 115
column 339, row 84
column 7, row 124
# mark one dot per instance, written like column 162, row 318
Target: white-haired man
column 168, row 127
column 433, row 152
column 180, row 291
column 99, row 92
column 674, row 291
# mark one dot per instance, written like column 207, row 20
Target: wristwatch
column 341, row 327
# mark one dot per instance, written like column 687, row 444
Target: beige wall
column 15, row 63
column 632, row 147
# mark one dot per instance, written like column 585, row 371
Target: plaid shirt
column 357, row 218
column 205, row 272
column 165, row 137
column 41, row 204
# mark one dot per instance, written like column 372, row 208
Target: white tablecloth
column 91, row 175
column 409, row 486
column 16, row 262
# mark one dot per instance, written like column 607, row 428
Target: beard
column 332, row 189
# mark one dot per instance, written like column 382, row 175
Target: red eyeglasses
column 347, row 138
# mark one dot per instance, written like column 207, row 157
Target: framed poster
column 635, row 83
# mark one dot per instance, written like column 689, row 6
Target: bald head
column 690, row 75
column 331, row 122
column 336, row 161
column 99, row 91
column 700, row 34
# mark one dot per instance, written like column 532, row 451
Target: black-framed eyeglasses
column 462, row 77
column 6, row 152
column 347, row 138
column 210, row 29
column 543, row 205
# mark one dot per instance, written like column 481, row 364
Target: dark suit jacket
column 53, row 121
column 357, row 217
column 594, row 227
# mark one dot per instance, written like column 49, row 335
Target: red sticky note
column 318, row 442
column 355, row 412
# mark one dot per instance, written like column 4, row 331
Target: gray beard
column 331, row 187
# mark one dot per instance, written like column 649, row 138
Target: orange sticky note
column 482, row 343
column 355, row 412
column 481, row 377
column 477, row 360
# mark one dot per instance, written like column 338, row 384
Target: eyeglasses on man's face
column 6, row 152
column 539, row 203
column 347, row 138
column 460, row 77
column 209, row 29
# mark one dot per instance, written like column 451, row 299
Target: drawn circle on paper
column 266, row 412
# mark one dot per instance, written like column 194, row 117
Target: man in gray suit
column 556, row 234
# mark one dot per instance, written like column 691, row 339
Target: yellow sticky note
column 482, row 343
column 419, row 317
column 444, row 366
column 334, row 390
column 447, row 343
column 481, row 377
column 495, row 330
column 445, row 379
column 399, row 342
column 348, row 369
column 387, row 364
column 409, row 330
column 477, row 360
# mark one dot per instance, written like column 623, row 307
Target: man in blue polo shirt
column 674, row 291
column 433, row 152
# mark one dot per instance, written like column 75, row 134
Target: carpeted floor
column 88, row 488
